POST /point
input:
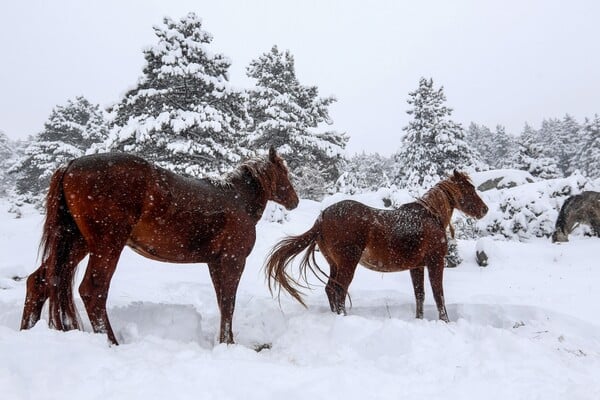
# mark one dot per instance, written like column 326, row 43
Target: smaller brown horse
column 581, row 208
column 98, row 204
column 410, row 237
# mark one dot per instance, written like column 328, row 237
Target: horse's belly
column 158, row 252
column 163, row 244
column 381, row 264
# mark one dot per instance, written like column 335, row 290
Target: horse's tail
column 58, row 237
column 282, row 255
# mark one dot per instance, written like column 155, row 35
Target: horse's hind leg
column 66, row 308
column 435, row 268
column 37, row 294
column 94, row 288
column 418, row 280
column 341, row 273
column 333, row 291
column 64, row 315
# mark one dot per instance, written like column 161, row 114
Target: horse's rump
column 583, row 208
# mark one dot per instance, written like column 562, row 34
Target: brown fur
column 581, row 208
column 98, row 204
column 349, row 233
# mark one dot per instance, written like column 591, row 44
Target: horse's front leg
column 225, row 275
column 436, row 275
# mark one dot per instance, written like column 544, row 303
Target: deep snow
column 525, row 327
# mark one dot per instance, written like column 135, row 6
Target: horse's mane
column 440, row 199
column 256, row 167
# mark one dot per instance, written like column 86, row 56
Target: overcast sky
column 501, row 62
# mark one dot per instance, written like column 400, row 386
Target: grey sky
column 503, row 62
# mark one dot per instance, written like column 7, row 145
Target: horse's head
column 467, row 199
column 282, row 191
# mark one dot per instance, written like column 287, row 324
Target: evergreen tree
column 70, row 131
column 433, row 145
column 7, row 152
column 549, row 141
column 364, row 173
column 6, row 147
column 287, row 115
column 480, row 138
column 183, row 113
column 493, row 148
column 504, row 146
column 589, row 154
column 530, row 155
column 568, row 143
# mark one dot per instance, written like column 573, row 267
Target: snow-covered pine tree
column 480, row 138
column 504, row 147
column 70, row 130
column 6, row 147
column 530, row 155
column 589, row 154
column 549, row 140
column 567, row 144
column 433, row 144
column 365, row 172
column 288, row 115
column 183, row 113
column 7, row 152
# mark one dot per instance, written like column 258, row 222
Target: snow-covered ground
column 525, row 327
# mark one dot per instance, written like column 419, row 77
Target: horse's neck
column 439, row 203
column 251, row 193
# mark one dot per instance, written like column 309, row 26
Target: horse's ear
column 272, row 154
column 457, row 174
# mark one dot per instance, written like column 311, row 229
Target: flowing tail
column 60, row 233
column 283, row 254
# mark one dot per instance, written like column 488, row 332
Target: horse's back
column 347, row 217
column 585, row 202
column 408, row 220
column 111, row 175
column 387, row 240
column 106, row 191
column 591, row 209
column 591, row 196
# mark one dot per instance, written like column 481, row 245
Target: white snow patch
column 526, row 327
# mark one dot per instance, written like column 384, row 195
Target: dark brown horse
column 581, row 208
column 98, row 204
column 348, row 233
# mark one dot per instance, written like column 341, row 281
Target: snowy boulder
column 482, row 258
column 500, row 179
column 481, row 251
